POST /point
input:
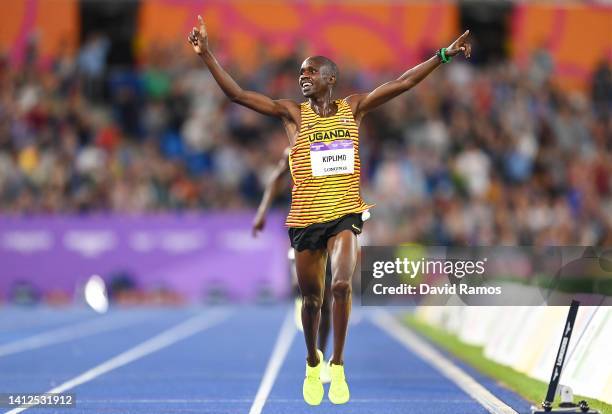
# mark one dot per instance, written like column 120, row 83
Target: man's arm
column 272, row 189
column 363, row 103
column 282, row 108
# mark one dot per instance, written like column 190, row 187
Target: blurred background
column 120, row 156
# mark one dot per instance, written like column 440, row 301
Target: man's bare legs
column 310, row 266
column 342, row 249
column 325, row 321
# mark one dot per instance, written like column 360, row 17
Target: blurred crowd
column 476, row 155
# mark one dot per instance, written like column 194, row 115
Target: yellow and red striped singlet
column 325, row 168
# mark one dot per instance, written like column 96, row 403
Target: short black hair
column 329, row 64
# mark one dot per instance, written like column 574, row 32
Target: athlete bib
column 332, row 158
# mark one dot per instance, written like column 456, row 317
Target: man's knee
column 341, row 289
column 312, row 303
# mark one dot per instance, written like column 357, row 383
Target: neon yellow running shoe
column 313, row 388
column 338, row 389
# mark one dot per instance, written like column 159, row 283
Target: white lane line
column 281, row 348
column 44, row 318
column 396, row 330
column 68, row 333
column 274, row 400
column 170, row 336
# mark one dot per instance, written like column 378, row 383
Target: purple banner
column 186, row 254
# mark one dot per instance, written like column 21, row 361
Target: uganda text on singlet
column 325, row 168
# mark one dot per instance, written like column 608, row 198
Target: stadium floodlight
column 95, row 294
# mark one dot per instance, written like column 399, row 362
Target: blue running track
column 214, row 368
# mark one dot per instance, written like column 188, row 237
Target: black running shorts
column 315, row 236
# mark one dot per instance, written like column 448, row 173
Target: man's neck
column 323, row 106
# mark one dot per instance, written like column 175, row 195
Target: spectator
column 516, row 161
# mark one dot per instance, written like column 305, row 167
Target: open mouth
column 306, row 85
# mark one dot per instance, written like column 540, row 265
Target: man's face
column 313, row 78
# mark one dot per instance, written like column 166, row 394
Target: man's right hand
column 258, row 224
column 199, row 38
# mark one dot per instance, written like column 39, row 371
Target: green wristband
column 445, row 59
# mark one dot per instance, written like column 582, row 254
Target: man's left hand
column 461, row 45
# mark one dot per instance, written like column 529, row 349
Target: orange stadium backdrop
column 371, row 35
column 54, row 23
column 379, row 35
column 578, row 37
column 374, row 34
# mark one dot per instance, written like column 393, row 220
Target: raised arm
column 272, row 189
column 282, row 108
column 363, row 103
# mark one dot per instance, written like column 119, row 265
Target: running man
column 273, row 187
column 326, row 206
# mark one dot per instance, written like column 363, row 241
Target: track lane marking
column 68, row 333
column 163, row 340
column 466, row 400
column 279, row 353
column 418, row 346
